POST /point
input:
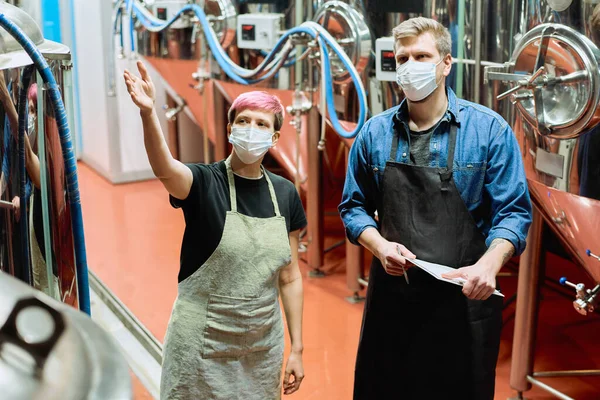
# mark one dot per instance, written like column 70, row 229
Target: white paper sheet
column 436, row 270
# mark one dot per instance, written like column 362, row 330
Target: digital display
column 161, row 13
column 388, row 61
column 249, row 32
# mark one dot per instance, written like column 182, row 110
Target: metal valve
column 171, row 113
column 586, row 300
column 321, row 145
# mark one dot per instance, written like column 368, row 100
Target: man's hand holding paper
column 479, row 280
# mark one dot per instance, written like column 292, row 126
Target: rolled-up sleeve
column 506, row 184
column 357, row 208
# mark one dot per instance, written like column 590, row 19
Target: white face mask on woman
column 417, row 79
column 250, row 144
column 31, row 124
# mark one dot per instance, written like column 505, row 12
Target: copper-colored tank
column 554, row 86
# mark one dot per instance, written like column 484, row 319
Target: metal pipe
column 549, row 389
column 527, row 307
column 220, row 125
column 6, row 204
column 44, row 189
column 477, row 45
column 334, row 246
column 298, row 20
column 473, row 62
column 460, row 50
column 562, row 374
column 172, row 129
column 203, row 67
column 315, row 182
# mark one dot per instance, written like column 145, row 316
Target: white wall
column 92, row 84
column 111, row 127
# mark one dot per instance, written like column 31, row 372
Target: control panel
column 167, row 9
column 258, row 31
column 385, row 60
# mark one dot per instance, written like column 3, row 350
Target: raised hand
column 141, row 89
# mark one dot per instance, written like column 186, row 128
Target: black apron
column 426, row 340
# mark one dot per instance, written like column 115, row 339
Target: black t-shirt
column 208, row 202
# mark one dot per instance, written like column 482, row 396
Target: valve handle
column 563, row 280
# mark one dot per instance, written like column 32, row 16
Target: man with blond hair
column 446, row 179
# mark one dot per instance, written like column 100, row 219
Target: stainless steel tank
column 551, row 84
column 552, row 79
column 346, row 23
column 180, row 41
column 41, row 252
column 51, row 351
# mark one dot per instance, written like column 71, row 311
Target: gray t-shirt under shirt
column 419, row 146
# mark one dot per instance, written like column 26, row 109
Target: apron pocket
column 236, row 326
column 265, row 327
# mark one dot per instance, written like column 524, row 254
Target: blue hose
column 68, row 156
column 330, row 103
column 23, row 106
column 234, row 71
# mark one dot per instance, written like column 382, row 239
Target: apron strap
column 272, row 191
column 451, row 146
column 230, row 179
column 232, row 192
column 394, row 150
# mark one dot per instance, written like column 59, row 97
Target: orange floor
column 133, row 239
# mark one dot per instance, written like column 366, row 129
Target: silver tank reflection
column 555, row 115
column 49, row 245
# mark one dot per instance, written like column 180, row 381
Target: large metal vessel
column 51, row 351
column 551, row 83
column 553, row 80
column 41, row 252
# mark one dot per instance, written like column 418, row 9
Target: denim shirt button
column 403, row 154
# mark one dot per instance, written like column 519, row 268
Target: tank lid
column 12, row 54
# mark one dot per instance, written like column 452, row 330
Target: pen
column 403, row 270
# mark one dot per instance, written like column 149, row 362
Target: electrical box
column 258, row 31
column 167, row 9
column 385, row 60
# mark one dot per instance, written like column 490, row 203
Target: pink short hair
column 258, row 101
column 32, row 94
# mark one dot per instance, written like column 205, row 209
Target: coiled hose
column 273, row 61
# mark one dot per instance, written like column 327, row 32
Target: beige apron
column 225, row 335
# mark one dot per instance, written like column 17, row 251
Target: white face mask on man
column 417, row 79
column 250, row 144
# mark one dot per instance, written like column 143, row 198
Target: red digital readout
column 387, row 54
column 247, row 27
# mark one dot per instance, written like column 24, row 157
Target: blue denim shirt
column 488, row 169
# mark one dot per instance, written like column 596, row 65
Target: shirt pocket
column 469, row 177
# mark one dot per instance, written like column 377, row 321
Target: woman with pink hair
column 225, row 338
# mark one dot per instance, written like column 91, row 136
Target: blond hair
column 417, row 26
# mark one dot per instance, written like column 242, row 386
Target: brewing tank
column 554, row 77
